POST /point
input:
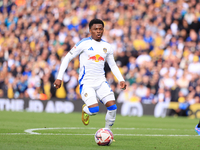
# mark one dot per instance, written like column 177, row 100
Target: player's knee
column 113, row 107
column 94, row 110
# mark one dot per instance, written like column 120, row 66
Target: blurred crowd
column 156, row 46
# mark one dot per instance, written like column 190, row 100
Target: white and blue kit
column 92, row 80
column 92, row 56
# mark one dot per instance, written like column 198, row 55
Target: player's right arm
column 75, row 51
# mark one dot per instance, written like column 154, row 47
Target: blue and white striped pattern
column 81, row 85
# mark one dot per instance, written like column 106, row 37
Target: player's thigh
column 105, row 93
column 89, row 96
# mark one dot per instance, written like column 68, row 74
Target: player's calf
column 86, row 112
column 110, row 116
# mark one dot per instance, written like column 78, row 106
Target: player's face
column 97, row 31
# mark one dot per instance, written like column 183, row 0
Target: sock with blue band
column 110, row 116
column 91, row 111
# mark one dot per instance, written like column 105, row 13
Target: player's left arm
column 115, row 70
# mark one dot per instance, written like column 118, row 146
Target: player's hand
column 57, row 83
column 122, row 85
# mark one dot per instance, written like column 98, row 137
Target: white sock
column 110, row 118
column 86, row 109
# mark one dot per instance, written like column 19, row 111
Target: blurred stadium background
column 156, row 46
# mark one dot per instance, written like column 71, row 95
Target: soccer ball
column 103, row 137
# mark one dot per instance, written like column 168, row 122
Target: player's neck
column 97, row 40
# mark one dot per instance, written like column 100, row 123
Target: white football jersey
column 92, row 57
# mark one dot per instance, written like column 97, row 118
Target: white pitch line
column 163, row 129
column 13, row 133
column 30, row 131
column 71, row 128
column 93, row 134
column 151, row 135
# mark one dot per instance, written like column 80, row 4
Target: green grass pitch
column 46, row 131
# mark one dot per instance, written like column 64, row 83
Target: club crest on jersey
column 105, row 50
column 85, row 94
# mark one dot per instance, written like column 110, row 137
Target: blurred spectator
column 130, row 102
column 144, row 57
column 183, row 107
column 156, row 45
column 194, row 67
column 141, row 90
column 21, row 86
column 148, row 98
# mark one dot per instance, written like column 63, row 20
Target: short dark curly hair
column 95, row 21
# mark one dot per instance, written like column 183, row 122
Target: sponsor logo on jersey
column 105, row 50
column 91, row 49
column 96, row 58
column 72, row 50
